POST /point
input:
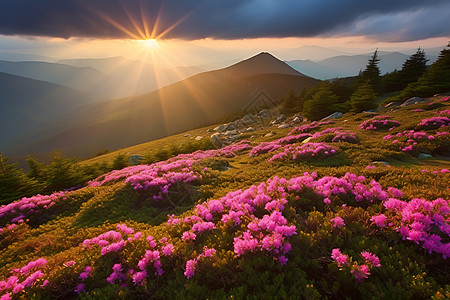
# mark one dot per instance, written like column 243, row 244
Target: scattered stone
column 382, row 162
column 231, row 133
column 187, row 135
column 198, row 138
column 284, row 126
column 250, row 129
column 281, row 118
column 298, row 119
column 424, row 155
column 216, row 140
column 335, row 115
column 412, row 101
column 248, row 119
column 210, row 130
column 306, row 140
column 135, row 159
column 272, row 133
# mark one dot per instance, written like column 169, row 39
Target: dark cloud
column 225, row 19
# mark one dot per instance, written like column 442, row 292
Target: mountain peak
column 262, row 63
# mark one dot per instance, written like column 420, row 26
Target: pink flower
column 379, row 220
column 69, row 263
column 167, row 250
column 139, row 277
column 338, row 222
column 191, row 265
column 80, row 289
column 372, row 258
column 340, row 258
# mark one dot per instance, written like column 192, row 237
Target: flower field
column 349, row 209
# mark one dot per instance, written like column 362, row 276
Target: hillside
column 198, row 101
column 354, row 208
column 28, row 104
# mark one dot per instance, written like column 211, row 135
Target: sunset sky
column 202, row 31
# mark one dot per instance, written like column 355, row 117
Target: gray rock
column 135, row 159
column 298, row 119
column 248, row 119
column 187, row 135
column 272, row 133
column 335, row 115
column 198, row 138
column 424, row 155
column 264, row 114
column 412, row 101
column 250, row 129
column 231, row 132
column 284, row 126
column 216, row 140
column 281, row 118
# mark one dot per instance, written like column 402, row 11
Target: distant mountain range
column 350, row 65
column 196, row 101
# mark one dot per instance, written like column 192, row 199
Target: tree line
column 363, row 92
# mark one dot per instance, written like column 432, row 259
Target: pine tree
column 363, row 98
column 435, row 80
column 371, row 73
column 323, row 103
column 413, row 67
column 289, row 102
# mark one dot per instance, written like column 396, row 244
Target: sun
column 149, row 43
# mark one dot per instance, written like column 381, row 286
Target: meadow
column 353, row 208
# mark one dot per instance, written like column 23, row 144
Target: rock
column 231, row 132
column 297, row 119
column 198, row 138
column 135, row 159
column 412, row 101
column 284, row 126
column 250, row 129
column 215, row 139
column 187, row 135
column 224, row 127
column 248, row 119
column 382, row 162
column 424, row 155
column 306, row 140
column 264, row 114
column 281, row 118
column 272, row 133
column 335, row 115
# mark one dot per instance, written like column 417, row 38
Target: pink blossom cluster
column 19, row 282
column 434, row 123
column 442, row 171
column 267, row 147
column 192, row 264
column 379, row 122
column 309, row 127
column 117, row 276
column 339, row 135
column 444, row 112
column 305, row 151
column 344, row 262
column 18, row 211
column 423, row 222
column 175, row 163
column 408, row 139
column 112, row 241
column 445, row 99
column 338, row 222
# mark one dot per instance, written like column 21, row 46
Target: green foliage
column 371, row 73
column 120, row 161
column 435, row 80
column 14, row 184
column 322, row 104
column 363, row 98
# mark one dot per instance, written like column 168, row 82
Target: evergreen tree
column 413, row 67
column 289, row 102
column 322, row 104
column 14, row 184
column 371, row 73
column 363, row 98
column 435, row 80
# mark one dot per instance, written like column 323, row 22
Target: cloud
column 224, row 19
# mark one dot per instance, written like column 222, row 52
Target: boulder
column 248, row 119
column 264, row 114
column 281, row 118
column 215, row 139
column 424, row 155
column 186, row 135
column 135, row 159
column 272, row 133
column 335, row 115
column 412, row 101
column 198, row 138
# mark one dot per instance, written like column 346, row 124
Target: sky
column 203, row 31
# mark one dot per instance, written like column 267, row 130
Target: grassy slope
column 56, row 234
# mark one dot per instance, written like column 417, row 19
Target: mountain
column 311, row 52
column 28, row 104
column 132, row 77
column 197, row 101
column 83, row 79
column 350, row 65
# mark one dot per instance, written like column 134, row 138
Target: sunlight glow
column 149, row 43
